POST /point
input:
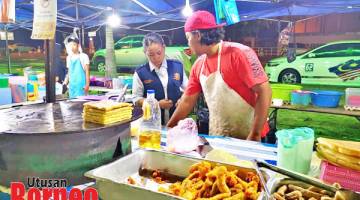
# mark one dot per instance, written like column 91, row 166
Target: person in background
column 78, row 77
column 60, row 66
column 167, row 77
column 230, row 75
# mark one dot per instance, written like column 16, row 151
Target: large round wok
column 51, row 141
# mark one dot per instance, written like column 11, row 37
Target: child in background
column 78, row 77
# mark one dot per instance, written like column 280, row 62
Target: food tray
column 111, row 178
column 276, row 181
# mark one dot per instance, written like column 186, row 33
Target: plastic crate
column 283, row 91
column 352, row 97
column 299, row 97
column 347, row 178
column 326, row 99
column 4, row 82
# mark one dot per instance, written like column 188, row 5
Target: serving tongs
column 262, row 180
column 121, row 97
column 347, row 194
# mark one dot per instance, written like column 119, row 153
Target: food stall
column 89, row 143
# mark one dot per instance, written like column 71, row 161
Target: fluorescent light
column 350, row 7
column 113, row 20
column 187, row 11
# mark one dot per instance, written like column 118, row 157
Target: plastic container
column 283, row 91
column 300, row 97
column 347, row 178
column 32, row 88
column 127, row 80
column 117, row 83
column 326, row 99
column 277, row 102
column 42, row 92
column 295, row 148
column 4, row 82
column 58, row 88
column 150, row 126
column 5, row 94
column 41, row 79
column 18, row 88
column 352, row 97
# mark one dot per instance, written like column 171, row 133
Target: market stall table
column 334, row 111
column 242, row 149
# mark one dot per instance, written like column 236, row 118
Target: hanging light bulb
column 187, row 11
column 113, row 21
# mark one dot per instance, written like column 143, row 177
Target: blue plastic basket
column 327, row 99
column 299, row 97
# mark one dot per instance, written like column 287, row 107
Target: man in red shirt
column 230, row 75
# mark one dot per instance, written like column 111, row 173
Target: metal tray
column 110, row 178
column 281, row 178
column 275, row 182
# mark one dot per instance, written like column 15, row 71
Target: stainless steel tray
column 110, row 178
column 298, row 179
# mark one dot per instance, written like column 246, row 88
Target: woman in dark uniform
column 165, row 76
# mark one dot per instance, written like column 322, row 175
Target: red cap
column 200, row 20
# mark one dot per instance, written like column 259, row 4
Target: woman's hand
column 166, row 104
column 86, row 89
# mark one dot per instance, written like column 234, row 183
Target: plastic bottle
column 150, row 126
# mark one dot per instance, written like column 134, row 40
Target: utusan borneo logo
column 49, row 189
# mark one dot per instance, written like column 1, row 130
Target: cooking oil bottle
column 150, row 126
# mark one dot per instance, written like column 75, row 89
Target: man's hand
column 165, row 104
column 254, row 137
column 185, row 106
column 177, row 103
column 262, row 105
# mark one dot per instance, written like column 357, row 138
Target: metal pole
column 50, row 70
column 7, row 49
column 83, row 36
column 77, row 10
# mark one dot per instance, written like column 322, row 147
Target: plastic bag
column 183, row 138
column 66, row 42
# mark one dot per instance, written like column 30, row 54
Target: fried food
column 294, row 192
column 131, row 181
column 207, row 182
column 282, row 190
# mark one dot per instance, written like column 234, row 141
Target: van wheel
column 289, row 76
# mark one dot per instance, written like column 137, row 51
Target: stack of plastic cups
column 295, row 148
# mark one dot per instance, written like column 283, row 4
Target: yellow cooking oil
column 149, row 132
column 150, row 139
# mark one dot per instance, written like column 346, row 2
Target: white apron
column 230, row 115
